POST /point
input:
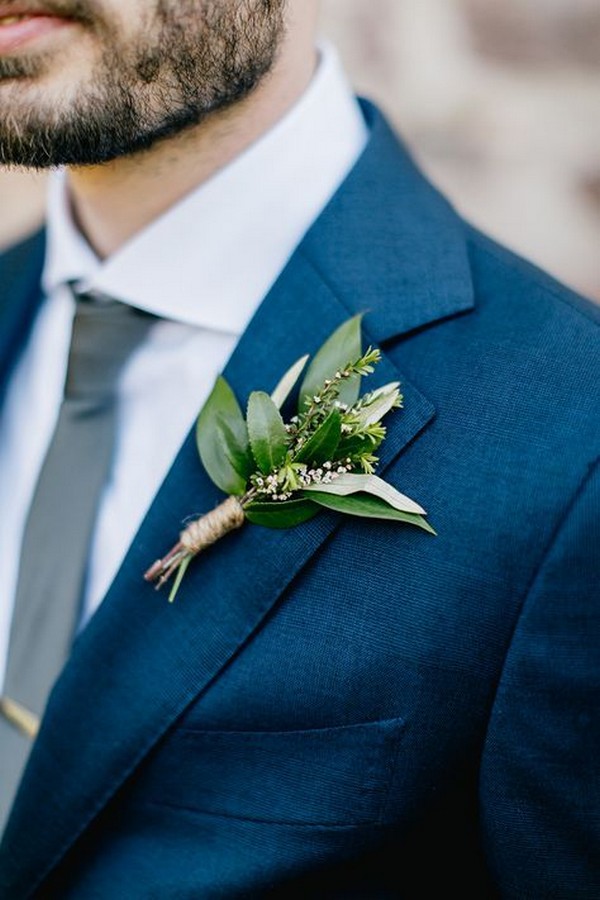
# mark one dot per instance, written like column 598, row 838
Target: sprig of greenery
column 324, row 457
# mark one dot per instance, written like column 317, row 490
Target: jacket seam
column 561, row 522
column 483, row 246
column 285, row 823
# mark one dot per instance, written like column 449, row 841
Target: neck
column 113, row 201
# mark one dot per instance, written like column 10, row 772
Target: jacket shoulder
column 500, row 273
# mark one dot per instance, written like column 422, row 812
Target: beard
column 187, row 59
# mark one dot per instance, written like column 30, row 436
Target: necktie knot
column 104, row 335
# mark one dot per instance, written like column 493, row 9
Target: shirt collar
column 210, row 259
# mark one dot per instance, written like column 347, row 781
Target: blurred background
column 499, row 100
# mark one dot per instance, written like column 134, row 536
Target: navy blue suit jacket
column 353, row 708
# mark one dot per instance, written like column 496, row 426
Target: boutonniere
column 280, row 474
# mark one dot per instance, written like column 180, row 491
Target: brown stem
column 197, row 536
column 161, row 565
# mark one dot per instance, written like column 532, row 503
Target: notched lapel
column 141, row 661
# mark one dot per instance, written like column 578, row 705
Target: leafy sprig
column 279, row 474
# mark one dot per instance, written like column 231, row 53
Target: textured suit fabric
column 352, row 708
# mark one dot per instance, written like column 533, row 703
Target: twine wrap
column 212, row 526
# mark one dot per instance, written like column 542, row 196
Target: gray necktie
column 60, row 523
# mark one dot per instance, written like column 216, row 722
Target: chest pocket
column 322, row 776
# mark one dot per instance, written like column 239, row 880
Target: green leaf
column 341, row 348
column 222, row 440
column 237, row 453
column 355, row 445
column 368, row 507
column 286, row 384
column 280, row 514
column 381, row 402
column 322, row 445
column 268, row 437
column 344, row 485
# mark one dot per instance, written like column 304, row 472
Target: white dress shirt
column 203, row 267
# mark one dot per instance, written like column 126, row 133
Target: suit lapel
column 389, row 243
column 20, row 296
column 141, row 662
